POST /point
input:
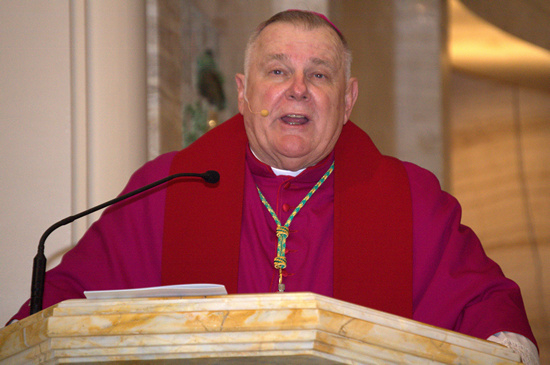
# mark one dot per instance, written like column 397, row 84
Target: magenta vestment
column 455, row 285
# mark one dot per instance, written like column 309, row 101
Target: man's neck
column 280, row 172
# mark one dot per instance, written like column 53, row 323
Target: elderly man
column 305, row 203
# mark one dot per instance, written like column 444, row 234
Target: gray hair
column 309, row 20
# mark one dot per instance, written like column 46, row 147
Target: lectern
column 286, row 328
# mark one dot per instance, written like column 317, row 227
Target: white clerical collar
column 279, row 172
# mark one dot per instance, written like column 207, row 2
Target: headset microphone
column 263, row 112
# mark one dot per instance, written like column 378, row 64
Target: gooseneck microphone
column 39, row 263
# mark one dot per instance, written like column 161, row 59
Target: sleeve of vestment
column 121, row 250
column 520, row 344
column 455, row 285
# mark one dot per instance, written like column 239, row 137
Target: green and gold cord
column 282, row 231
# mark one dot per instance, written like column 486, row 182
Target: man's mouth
column 295, row 119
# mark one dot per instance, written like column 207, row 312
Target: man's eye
column 319, row 76
column 277, row 72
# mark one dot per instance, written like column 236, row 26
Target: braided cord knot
column 282, row 231
column 279, row 262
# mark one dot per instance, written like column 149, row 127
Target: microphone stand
column 39, row 262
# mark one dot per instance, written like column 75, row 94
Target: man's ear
column 240, row 80
column 352, row 91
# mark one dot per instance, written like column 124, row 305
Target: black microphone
column 39, row 263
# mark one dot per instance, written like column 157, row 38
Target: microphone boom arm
column 39, row 262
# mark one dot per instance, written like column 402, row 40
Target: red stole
column 372, row 219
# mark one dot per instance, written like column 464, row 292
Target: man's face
column 298, row 76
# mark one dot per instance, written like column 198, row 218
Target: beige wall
column 72, row 122
column 399, row 50
column 500, row 168
column 369, row 32
column 35, row 138
column 500, row 133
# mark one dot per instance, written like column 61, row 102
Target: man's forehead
column 314, row 60
column 298, row 26
column 277, row 39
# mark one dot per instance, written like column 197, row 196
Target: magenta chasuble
column 372, row 233
column 192, row 232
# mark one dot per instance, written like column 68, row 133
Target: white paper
column 183, row 290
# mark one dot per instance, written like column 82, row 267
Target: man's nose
column 298, row 88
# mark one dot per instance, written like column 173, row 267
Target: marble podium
column 288, row 328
